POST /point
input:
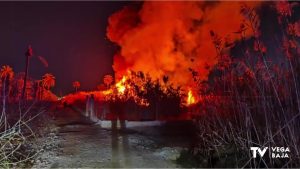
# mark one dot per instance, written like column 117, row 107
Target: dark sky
column 70, row 35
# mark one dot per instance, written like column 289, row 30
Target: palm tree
column 6, row 74
column 108, row 79
column 76, row 85
column 28, row 54
column 48, row 81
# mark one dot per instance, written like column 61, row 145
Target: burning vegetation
column 174, row 47
column 190, row 98
column 243, row 93
column 212, row 62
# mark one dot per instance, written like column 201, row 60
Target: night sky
column 71, row 36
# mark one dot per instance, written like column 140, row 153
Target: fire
column 124, row 90
column 118, row 91
column 190, row 98
column 121, row 87
column 107, row 92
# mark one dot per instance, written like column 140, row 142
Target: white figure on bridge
column 90, row 108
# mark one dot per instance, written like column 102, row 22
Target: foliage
column 253, row 99
column 48, row 81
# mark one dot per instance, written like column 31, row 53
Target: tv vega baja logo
column 275, row 152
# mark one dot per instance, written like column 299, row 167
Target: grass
column 16, row 149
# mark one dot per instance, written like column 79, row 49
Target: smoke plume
column 168, row 38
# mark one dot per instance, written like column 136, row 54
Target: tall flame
column 121, row 87
column 190, row 98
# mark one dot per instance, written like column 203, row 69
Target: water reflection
column 120, row 145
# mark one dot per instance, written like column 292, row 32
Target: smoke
column 168, row 38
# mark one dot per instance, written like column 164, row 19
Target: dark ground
column 74, row 141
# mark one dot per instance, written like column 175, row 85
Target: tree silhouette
column 76, row 85
column 6, row 74
column 107, row 80
column 28, row 54
column 48, row 81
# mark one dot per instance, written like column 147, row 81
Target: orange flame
column 107, row 92
column 121, row 87
column 190, row 98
